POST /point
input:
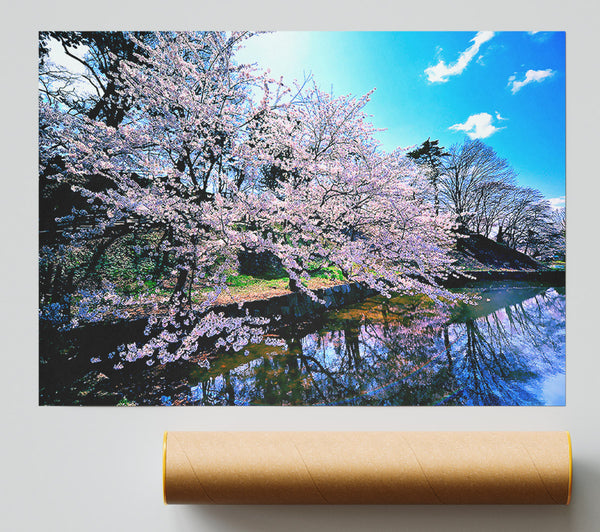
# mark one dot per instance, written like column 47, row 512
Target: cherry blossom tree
column 187, row 161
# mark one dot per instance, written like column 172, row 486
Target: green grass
column 242, row 281
column 279, row 280
column 557, row 265
column 132, row 273
column 328, row 272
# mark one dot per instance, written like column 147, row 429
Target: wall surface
column 99, row 469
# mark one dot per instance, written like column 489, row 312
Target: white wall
column 99, row 469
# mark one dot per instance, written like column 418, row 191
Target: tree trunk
column 293, row 285
column 178, row 291
column 500, row 236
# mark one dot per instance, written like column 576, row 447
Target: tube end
column 570, row 467
column 164, row 467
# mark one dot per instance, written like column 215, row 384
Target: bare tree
column 471, row 174
column 491, row 203
column 528, row 223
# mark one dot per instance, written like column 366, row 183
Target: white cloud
column 441, row 72
column 477, row 126
column 540, row 36
column 557, row 203
column 499, row 117
column 530, row 77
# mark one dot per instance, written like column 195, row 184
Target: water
column 509, row 349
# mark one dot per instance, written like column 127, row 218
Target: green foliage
column 429, row 153
column 126, row 402
column 328, row 272
column 126, row 263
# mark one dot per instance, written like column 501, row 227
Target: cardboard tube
column 367, row 467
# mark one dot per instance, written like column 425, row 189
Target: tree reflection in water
column 404, row 351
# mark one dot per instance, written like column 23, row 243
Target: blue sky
column 507, row 88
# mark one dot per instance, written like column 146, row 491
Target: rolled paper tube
column 367, row 467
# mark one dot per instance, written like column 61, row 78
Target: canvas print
column 301, row 218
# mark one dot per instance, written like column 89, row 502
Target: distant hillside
column 476, row 252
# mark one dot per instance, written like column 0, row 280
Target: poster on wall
column 302, row 218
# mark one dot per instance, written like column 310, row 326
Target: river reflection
column 509, row 349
